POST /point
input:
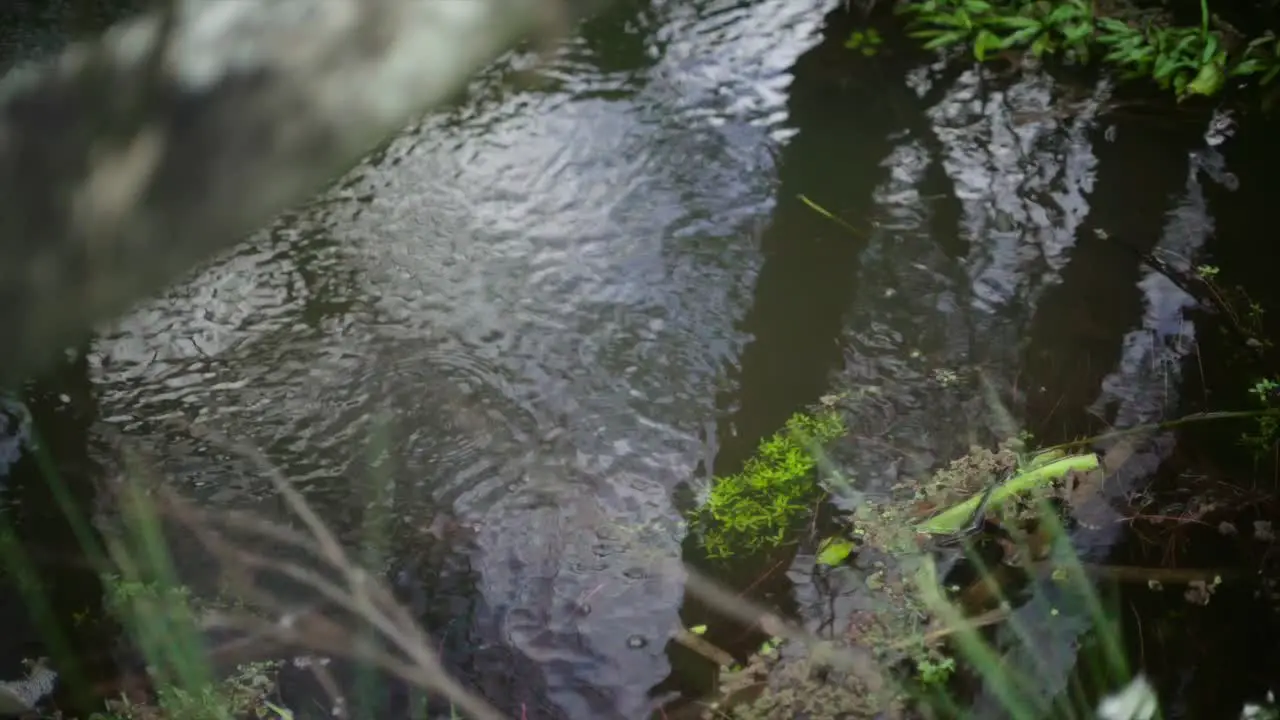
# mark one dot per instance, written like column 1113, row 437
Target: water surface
column 549, row 311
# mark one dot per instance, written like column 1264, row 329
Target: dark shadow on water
column 68, row 624
column 62, row 410
column 1077, row 333
column 1203, row 660
column 1208, row 660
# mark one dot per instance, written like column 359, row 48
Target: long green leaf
column 954, row 518
column 1022, row 37
column 1015, row 22
column 946, row 39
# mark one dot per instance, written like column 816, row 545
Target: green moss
column 758, row 508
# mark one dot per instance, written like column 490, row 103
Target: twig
column 362, row 597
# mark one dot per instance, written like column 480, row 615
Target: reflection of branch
column 129, row 160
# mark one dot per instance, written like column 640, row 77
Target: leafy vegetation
column 242, row 695
column 1189, row 60
column 925, row 633
column 150, row 610
column 865, row 41
column 1263, row 439
column 758, row 508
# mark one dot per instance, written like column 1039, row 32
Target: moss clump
column 757, row 509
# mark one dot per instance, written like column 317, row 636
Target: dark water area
column 545, row 316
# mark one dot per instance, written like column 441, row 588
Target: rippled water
column 545, row 311
column 531, row 303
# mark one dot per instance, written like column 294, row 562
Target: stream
column 547, row 313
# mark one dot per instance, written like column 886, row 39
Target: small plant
column 935, row 670
column 151, row 610
column 1265, row 392
column 1040, row 27
column 1261, row 58
column 758, row 508
column 1188, row 60
column 1191, row 61
column 866, row 41
column 769, row 647
column 242, row 695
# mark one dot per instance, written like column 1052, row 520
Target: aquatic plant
column 155, row 611
column 244, row 694
column 1039, row 472
column 923, row 634
column 866, row 41
column 1189, row 60
column 758, row 508
column 1266, row 392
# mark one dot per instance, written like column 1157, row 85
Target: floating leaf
column 698, row 629
column 834, row 551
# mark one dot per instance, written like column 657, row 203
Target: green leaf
column 945, row 39
column 1207, row 82
column 1259, row 42
column 953, row 518
column 1246, row 67
column 1042, row 45
column 834, row 551
column 922, row 34
column 1165, row 69
column 1210, row 48
column 958, row 20
column 698, row 629
column 1077, row 33
column 1015, row 22
column 1061, row 14
column 1116, row 27
column 1019, row 38
column 281, row 713
column 1271, row 75
column 985, row 41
